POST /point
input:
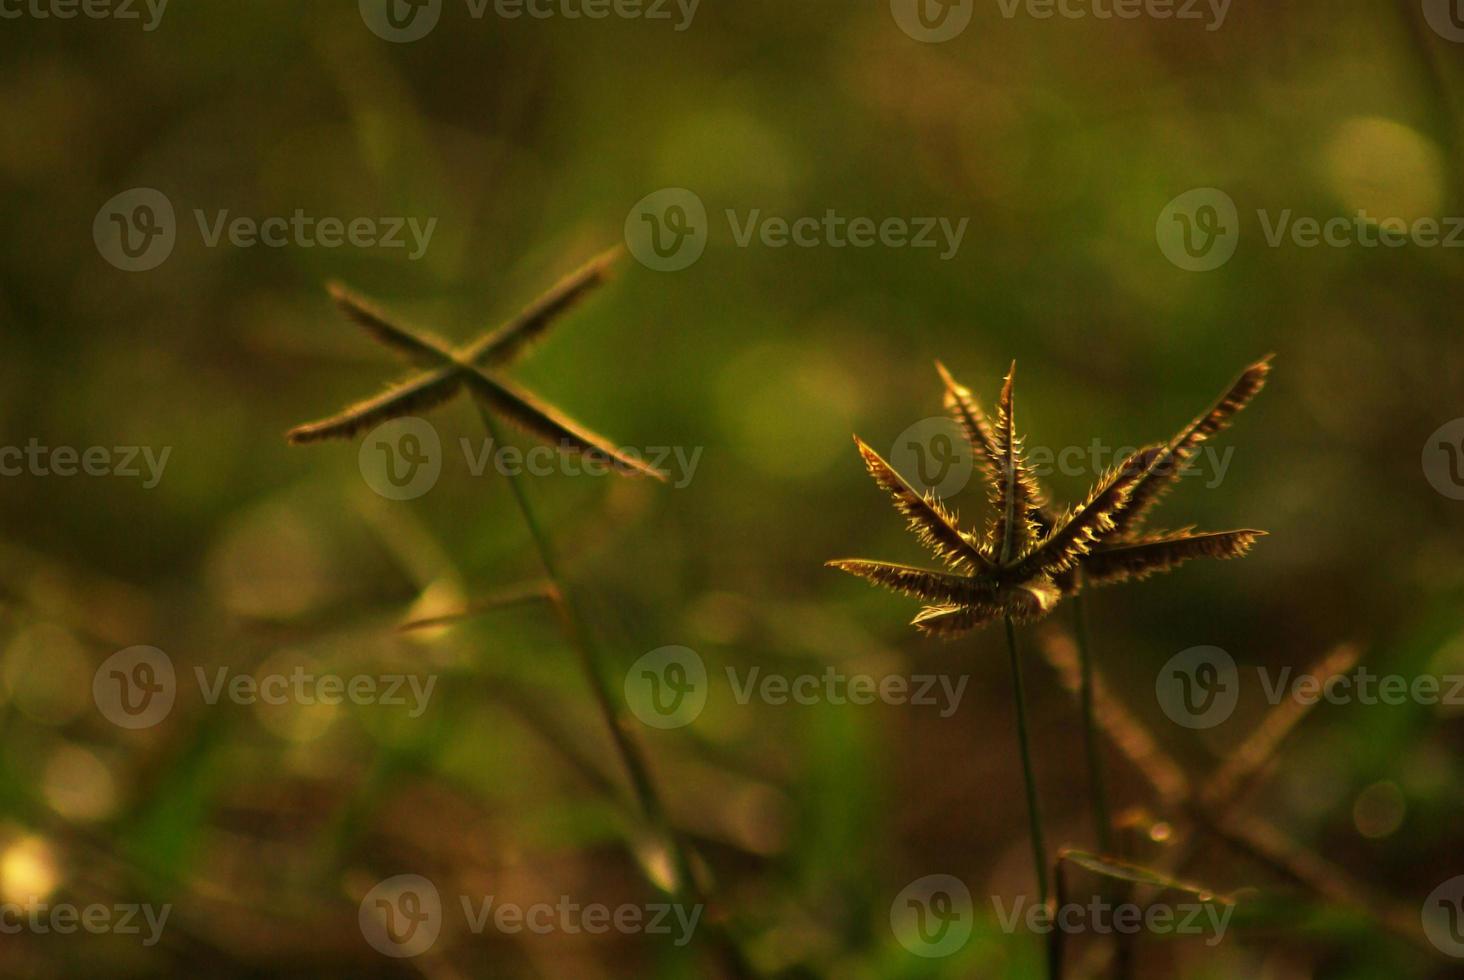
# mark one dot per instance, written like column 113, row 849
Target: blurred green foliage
column 529, row 140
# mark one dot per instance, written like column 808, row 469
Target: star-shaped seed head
column 445, row 371
column 1030, row 555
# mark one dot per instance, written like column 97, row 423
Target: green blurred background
column 1061, row 140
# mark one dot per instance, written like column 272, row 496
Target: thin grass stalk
column 1098, row 785
column 1034, row 810
column 685, row 887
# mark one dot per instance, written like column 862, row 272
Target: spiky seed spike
column 928, row 519
column 1024, row 603
column 949, row 622
column 921, row 583
column 962, row 405
column 1064, row 550
column 1014, row 531
column 449, row 370
column 510, row 340
column 1139, row 558
column 420, row 394
column 417, row 347
column 1030, row 600
column 1086, row 524
column 547, row 423
column 1168, row 468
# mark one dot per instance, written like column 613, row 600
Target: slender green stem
column 684, row 885
column 1102, row 821
column 1034, row 811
